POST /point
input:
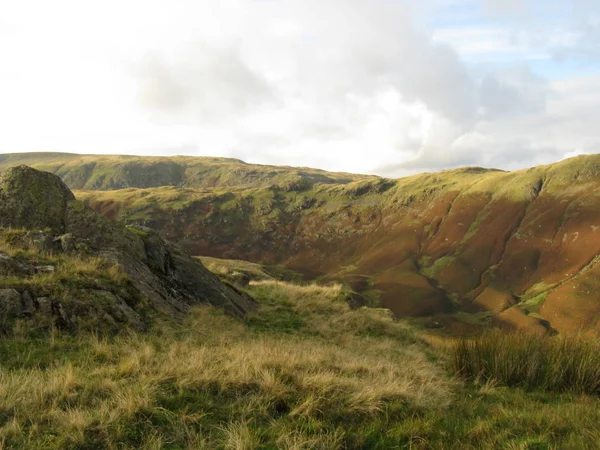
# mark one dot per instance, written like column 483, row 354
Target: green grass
column 305, row 371
column 218, row 382
column 437, row 266
column 482, row 318
column 556, row 364
column 533, row 305
column 108, row 172
column 68, row 270
column 240, row 272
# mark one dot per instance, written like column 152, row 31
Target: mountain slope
column 104, row 172
column 471, row 246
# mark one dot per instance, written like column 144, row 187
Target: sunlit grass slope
column 303, row 372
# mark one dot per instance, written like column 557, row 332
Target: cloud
column 582, row 43
column 356, row 85
column 512, row 91
column 207, row 82
column 385, row 86
column 566, row 126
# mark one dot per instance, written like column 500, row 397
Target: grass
column 64, row 270
column 557, row 364
column 84, row 287
column 234, row 271
column 438, row 265
column 107, row 172
column 303, row 372
column 533, row 305
column 218, row 382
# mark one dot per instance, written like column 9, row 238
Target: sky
column 390, row 87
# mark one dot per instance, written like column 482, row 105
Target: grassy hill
column 459, row 249
column 105, row 172
column 304, row 371
column 112, row 338
column 471, row 247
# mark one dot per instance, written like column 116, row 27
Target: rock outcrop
column 40, row 215
column 33, row 199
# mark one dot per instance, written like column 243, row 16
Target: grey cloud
column 507, row 155
column 208, row 83
column 519, row 7
column 160, row 89
column 567, row 126
column 579, row 23
column 381, row 48
column 514, row 91
column 345, row 48
column 435, row 75
column 340, row 69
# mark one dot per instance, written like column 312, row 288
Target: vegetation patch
column 304, row 371
column 437, row 266
column 534, row 304
column 534, row 362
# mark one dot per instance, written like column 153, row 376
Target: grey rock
column 28, row 306
column 67, row 242
column 157, row 273
column 44, row 306
column 12, row 266
column 32, row 199
column 10, row 303
column 41, row 240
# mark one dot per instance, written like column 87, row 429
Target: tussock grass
column 323, row 311
column 218, row 382
column 533, row 362
column 65, row 268
column 305, row 372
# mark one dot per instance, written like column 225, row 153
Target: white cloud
column 209, row 82
column 351, row 85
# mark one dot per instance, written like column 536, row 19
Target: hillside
column 63, row 265
column 470, row 246
column 105, row 172
column 113, row 338
column 459, row 249
column 303, row 371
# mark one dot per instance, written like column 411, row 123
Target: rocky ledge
column 47, row 234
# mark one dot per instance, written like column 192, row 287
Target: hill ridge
column 464, row 248
column 107, row 172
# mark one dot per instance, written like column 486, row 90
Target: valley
column 112, row 337
column 456, row 250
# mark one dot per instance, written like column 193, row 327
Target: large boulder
column 33, row 199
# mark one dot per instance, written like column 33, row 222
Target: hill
column 459, row 249
column 109, row 341
column 64, row 265
column 302, row 371
column 106, row 172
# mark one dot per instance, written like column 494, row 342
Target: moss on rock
column 33, row 199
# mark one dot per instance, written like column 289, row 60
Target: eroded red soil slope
column 516, row 249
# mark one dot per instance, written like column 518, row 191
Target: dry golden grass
column 119, row 383
column 322, row 377
column 531, row 361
